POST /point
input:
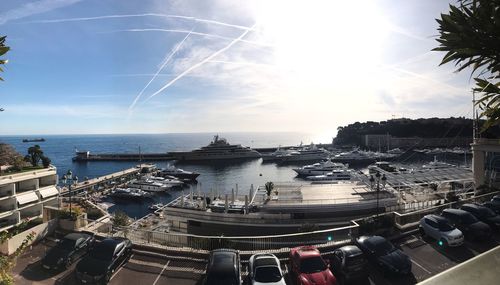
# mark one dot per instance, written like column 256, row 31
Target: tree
column 45, row 161
column 3, row 50
column 35, row 153
column 470, row 36
column 120, row 219
column 9, row 156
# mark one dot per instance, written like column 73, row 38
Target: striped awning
column 48, row 192
column 29, row 197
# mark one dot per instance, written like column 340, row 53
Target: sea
column 220, row 177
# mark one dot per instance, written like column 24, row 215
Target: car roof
column 76, row 236
column 470, row 205
column 307, row 251
column 374, row 240
column 112, row 242
column 457, row 212
column 436, row 218
column 223, row 260
column 351, row 250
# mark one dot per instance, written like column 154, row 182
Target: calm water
column 219, row 176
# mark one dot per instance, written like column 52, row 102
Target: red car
column 308, row 267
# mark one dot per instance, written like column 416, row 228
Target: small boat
column 155, row 207
column 437, row 165
column 33, row 140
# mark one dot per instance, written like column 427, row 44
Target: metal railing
column 412, row 218
column 319, row 238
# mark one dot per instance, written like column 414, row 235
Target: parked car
column 224, row 268
column 380, row 251
column 471, row 227
column 493, row 206
column 441, row 230
column 484, row 214
column 67, row 250
column 349, row 263
column 265, row 269
column 103, row 260
column 308, row 267
column 496, row 200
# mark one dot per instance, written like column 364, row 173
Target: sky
column 152, row 66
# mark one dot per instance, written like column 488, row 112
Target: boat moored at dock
column 335, row 175
column 320, row 168
column 179, row 173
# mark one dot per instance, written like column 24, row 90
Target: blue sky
column 79, row 66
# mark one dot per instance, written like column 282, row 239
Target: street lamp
column 69, row 180
column 377, row 180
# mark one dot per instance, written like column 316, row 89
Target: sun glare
column 319, row 41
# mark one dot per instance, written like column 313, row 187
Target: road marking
column 159, row 275
column 420, row 266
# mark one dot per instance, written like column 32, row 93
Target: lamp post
column 377, row 180
column 69, row 180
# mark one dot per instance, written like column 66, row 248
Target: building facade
column 386, row 142
column 23, row 195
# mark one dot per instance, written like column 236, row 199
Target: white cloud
column 33, row 8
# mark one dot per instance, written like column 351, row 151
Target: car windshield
column 487, row 212
column 445, row 227
column 384, row 248
column 222, row 279
column 354, row 260
column 469, row 219
column 102, row 252
column 312, row 264
column 67, row 244
column 267, row 274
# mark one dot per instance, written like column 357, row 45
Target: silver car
column 440, row 229
column 265, row 269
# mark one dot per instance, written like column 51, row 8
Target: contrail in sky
column 192, row 33
column 174, row 51
column 202, row 62
column 140, row 15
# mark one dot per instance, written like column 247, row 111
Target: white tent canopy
column 48, row 192
column 27, row 198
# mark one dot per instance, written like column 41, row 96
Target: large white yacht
column 354, row 156
column 320, row 168
column 337, row 174
column 274, row 156
column 308, row 153
column 169, row 182
column 218, row 149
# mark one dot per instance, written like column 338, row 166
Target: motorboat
column 354, row 157
column 320, row 168
column 167, row 181
column 337, row 174
column 149, row 185
column 218, row 149
column 308, row 153
column 381, row 165
column 179, row 173
column 129, row 193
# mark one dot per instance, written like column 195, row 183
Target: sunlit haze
column 114, row 66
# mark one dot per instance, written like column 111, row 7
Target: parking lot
column 145, row 268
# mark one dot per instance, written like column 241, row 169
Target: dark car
column 69, row 249
column 380, row 251
column 493, row 206
column 104, row 258
column 484, row 214
column 471, row 227
column 223, row 268
column 349, row 263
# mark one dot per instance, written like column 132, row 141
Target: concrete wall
column 42, row 230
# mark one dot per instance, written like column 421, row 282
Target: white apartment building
column 23, row 195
